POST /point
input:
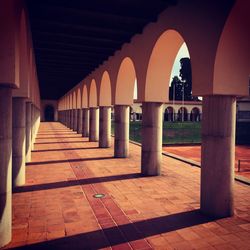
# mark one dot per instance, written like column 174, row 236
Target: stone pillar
column 105, row 127
column 37, row 120
column 79, row 121
column 32, row 126
column 94, row 124
column 71, row 119
column 75, row 120
column 18, row 141
column 217, row 155
column 28, row 132
column 67, row 118
column 5, row 164
column 85, row 122
column 121, row 131
column 151, row 150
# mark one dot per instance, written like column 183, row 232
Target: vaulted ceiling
column 71, row 38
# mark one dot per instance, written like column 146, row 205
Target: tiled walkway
column 56, row 209
column 242, row 153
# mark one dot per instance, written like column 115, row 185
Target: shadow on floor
column 61, row 133
column 69, row 160
column 124, row 233
column 63, row 184
column 62, row 137
column 61, row 149
column 55, row 142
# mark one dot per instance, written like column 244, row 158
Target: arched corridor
column 72, row 182
column 67, row 171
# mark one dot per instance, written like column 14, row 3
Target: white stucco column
column 94, row 124
column 217, row 155
column 151, row 157
column 105, row 127
column 121, row 131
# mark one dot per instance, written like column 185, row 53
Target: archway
column 49, row 113
column 105, row 90
column 169, row 114
column 160, row 66
column 182, row 114
column 126, row 79
column 195, row 115
column 124, row 95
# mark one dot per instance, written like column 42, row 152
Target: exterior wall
column 53, row 103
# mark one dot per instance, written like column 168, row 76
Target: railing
column 239, row 164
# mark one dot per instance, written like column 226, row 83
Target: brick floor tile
column 136, row 213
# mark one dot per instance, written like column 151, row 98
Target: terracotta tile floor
column 56, row 208
column 194, row 153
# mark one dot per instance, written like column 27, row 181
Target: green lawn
column 173, row 132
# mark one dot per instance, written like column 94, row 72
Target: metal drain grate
column 98, row 196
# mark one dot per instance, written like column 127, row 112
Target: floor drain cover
column 98, row 195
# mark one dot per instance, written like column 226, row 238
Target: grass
column 173, row 132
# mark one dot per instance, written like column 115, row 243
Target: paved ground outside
column 242, row 153
column 56, row 208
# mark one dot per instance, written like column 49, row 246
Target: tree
column 186, row 77
column 184, row 80
column 175, row 89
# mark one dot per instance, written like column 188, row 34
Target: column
column 94, row 124
column 18, row 141
column 75, row 120
column 67, row 118
column 28, row 132
column 79, row 121
column 217, row 155
column 71, row 119
column 105, row 127
column 151, row 150
column 121, row 131
column 32, row 126
column 6, row 164
column 85, row 122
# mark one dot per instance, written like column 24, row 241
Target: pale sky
column 183, row 52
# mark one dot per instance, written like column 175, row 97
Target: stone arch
column 105, row 90
column 74, row 100
column 125, row 82
column 232, row 66
column 84, row 96
column 160, row 66
column 71, row 101
column 67, row 102
column 78, row 99
column 93, row 94
column 195, row 114
column 169, row 114
column 182, row 114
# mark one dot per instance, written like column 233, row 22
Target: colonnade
column 218, row 139
column 18, row 130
